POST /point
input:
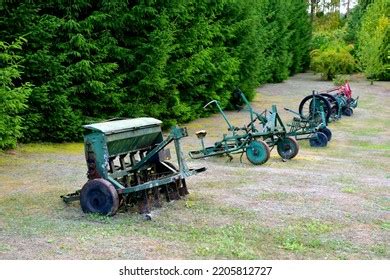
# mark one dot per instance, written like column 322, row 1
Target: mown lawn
column 330, row 203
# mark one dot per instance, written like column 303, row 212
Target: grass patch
column 385, row 225
column 236, row 240
column 278, row 196
column 317, row 227
column 384, row 203
column 344, row 179
column 347, row 183
column 371, row 146
column 225, row 242
column 370, row 131
column 293, row 243
column 304, row 236
column 42, row 148
column 349, row 190
column 381, row 250
column 97, row 218
column 4, row 248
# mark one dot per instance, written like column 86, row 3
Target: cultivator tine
column 166, row 192
column 174, row 194
column 156, row 198
column 242, row 154
column 183, row 191
column 143, row 204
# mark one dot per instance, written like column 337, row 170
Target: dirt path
column 332, row 202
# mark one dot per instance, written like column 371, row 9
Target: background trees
column 89, row 60
column 355, row 40
column 374, row 41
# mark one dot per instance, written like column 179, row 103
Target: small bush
column 321, row 40
column 333, row 60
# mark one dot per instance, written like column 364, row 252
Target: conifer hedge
column 99, row 59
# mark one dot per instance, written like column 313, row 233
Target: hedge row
column 99, row 59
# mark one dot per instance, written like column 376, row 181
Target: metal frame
column 306, row 127
column 271, row 132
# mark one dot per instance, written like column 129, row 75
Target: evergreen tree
column 95, row 60
column 374, row 40
column 13, row 94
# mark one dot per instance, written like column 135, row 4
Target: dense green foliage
column 374, row 40
column 301, row 31
column 90, row 60
column 331, row 55
column 357, row 41
column 13, row 95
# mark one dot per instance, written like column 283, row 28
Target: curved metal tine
column 292, row 111
column 212, row 101
column 231, row 127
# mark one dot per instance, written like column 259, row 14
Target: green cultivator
column 128, row 164
column 311, row 120
column 264, row 131
column 267, row 130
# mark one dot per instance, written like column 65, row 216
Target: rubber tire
column 348, row 112
column 319, row 140
column 287, row 143
column 327, row 132
column 99, row 196
column 255, row 147
column 327, row 110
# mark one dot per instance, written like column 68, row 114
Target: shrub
column 333, row 60
column 340, row 80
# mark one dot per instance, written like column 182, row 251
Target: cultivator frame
column 255, row 142
column 128, row 164
column 311, row 124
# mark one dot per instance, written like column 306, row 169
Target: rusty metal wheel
column 99, row 196
column 287, row 148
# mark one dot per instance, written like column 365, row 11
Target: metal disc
column 319, row 139
column 99, row 196
column 257, row 152
column 327, row 132
column 287, row 148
